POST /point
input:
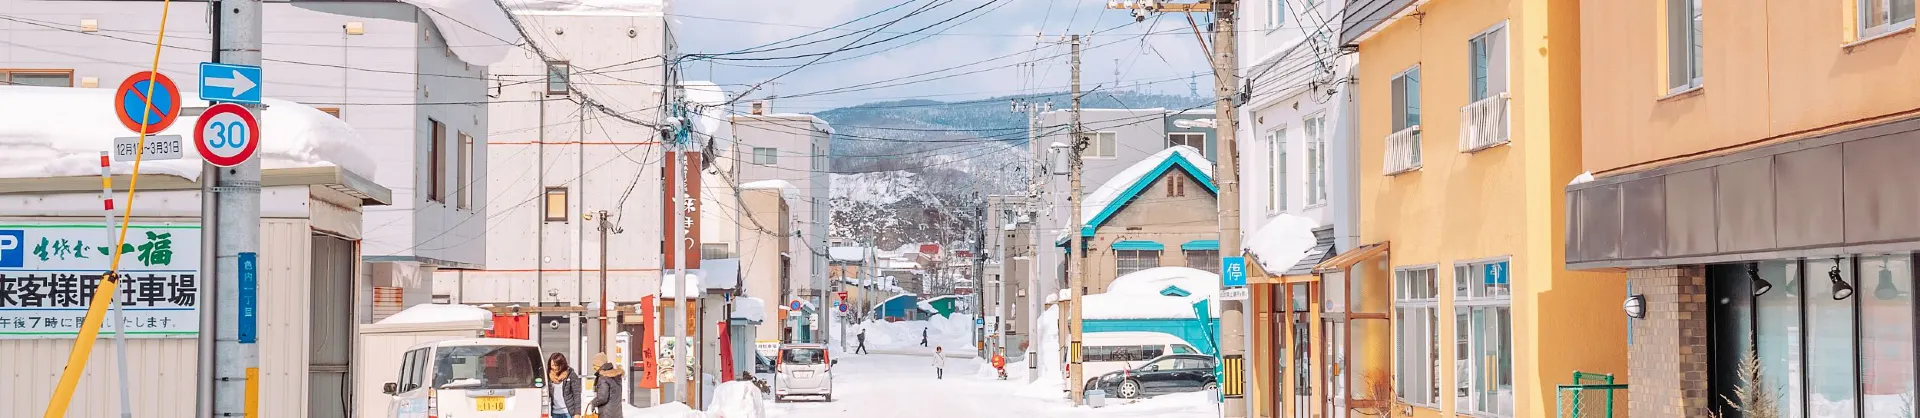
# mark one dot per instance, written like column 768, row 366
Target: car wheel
column 829, row 398
column 1129, row 389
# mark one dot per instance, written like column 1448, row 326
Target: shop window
column 1483, row 338
column 1416, row 323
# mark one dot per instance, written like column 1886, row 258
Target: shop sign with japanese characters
column 49, row 271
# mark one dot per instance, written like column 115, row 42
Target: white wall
column 802, row 143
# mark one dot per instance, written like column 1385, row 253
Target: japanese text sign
column 48, row 273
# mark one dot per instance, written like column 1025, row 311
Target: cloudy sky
column 958, row 56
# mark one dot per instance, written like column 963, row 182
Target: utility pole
column 677, row 315
column 604, row 227
column 1233, row 323
column 237, row 204
column 1076, row 249
column 979, row 268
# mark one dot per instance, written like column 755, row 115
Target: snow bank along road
column 893, row 385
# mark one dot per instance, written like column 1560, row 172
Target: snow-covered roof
column 59, row 132
column 750, row 308
column 1127, row 306
column 1099, row 204
column 1199, row 284
column 427, row 313
column 926, row 306
column 1283, row 241
column 478, row 31
column 722, row 273
column 609, row 7
column 818, row 123
column 854, row 254
column 669, row 282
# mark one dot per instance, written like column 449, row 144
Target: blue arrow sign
column 229, row 83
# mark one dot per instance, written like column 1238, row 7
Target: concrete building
column 413, row 98
column 1469, row 123
column 793, row 148
column 765, row 265
column 1155, row 213
column 557, row 163
column 1754, row 177
column 1296, row 158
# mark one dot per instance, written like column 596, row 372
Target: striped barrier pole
column 119, row 318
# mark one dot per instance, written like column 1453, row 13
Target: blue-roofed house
column 1158, row 212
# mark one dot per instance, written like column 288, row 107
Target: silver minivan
column 472, row 377
column 803, row 370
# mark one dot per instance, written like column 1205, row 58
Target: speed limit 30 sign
column 226, row 135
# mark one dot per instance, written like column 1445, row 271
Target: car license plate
column 489, row 403
column 803, row 375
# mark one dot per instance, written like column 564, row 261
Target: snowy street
column 889, row 385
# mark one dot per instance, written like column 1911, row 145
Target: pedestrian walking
column 607, row 395
column 861, row 338
column 1000, row 364
column 923, row 337
column 563, row 386
column 939, row 364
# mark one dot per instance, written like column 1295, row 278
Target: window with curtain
column 1483, row 338
column 1101, row 146
column 1416, row 322
column 1128, row 261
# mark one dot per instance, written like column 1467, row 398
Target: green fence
column 1591, row 395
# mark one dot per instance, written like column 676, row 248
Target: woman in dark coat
column 606, row 392
column 564, row 385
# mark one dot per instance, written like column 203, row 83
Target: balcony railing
column 1483, row 124
column 1403, row 151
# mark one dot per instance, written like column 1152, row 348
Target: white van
column 803, row 370
column 486, row 377
column 1104, row 352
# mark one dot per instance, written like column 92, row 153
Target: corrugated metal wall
column 163, row 370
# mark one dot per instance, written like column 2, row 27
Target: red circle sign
column 131, row 102
column 226, row 135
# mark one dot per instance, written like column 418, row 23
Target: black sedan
column 1163, row 375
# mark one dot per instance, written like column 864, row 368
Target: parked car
column 492, row 377
column 1114, row 351
column 803, row 370
column 1163, row 375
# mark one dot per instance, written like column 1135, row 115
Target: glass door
column 1336, row 393
column 1302, row 366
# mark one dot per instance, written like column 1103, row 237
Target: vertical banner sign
column 249, row 290
column 48, row 273
column 1233, row 271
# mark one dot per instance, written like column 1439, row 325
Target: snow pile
column 1097, row 200
column 1283, row 242
column 927, row 307
column 787, row 190
column 43, row 135
column 1582, row 178
column 1184, row 404
column 1047, row 349
column 750, row 308
column 1124, row 306
column 478, row 31
column 736, row 399
column 954, row 333
column 1199, row 284
column 847, row 253
column 669, row 410
column 693, row 287
column 721, row 273
column 427, row 313
column 621, row 7
column 877, row 188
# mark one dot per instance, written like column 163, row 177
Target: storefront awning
column 1139, row 245
column 1201, row 245
column 1348, row 259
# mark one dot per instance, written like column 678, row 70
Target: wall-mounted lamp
column 1841, row 290
column 1636, row 306
column 1760, row 286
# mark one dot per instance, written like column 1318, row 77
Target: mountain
column 913, row 171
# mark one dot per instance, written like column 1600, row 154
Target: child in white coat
column 939, row 364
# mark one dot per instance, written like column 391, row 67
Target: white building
column 1296, row 152
column 561, row 168
column 791, row 147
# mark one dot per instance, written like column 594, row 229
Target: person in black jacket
column 606, row 392
column 563, row 387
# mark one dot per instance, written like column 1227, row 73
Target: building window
column 1208, row 260
column 1683, row 44
column 437, row 164
column 1276, row 13
column 766, row 156
column 1176, row 187
column 1882, row 16
column 557, row 77
column 1406, row 99
column 1316, row 160
column 1198, row 140
column 1825, row 356
column 1276, row 170
column 1488, row 61
column 1483, row 338
column 1129, row 261
column 714, row 251
column 464, row 194
column 38, row 78
column 1416, row 322
column 556, row 204
column 1102, row 145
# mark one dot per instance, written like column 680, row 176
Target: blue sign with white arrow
column 229, row 83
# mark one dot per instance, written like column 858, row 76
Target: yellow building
column 1755, row 176
column 1469, row 127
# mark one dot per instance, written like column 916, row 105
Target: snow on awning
column 427, row 313
column 669, row 282
column 1282, row 242
column 751, row 309
column 721, row 273
column 60, row 132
